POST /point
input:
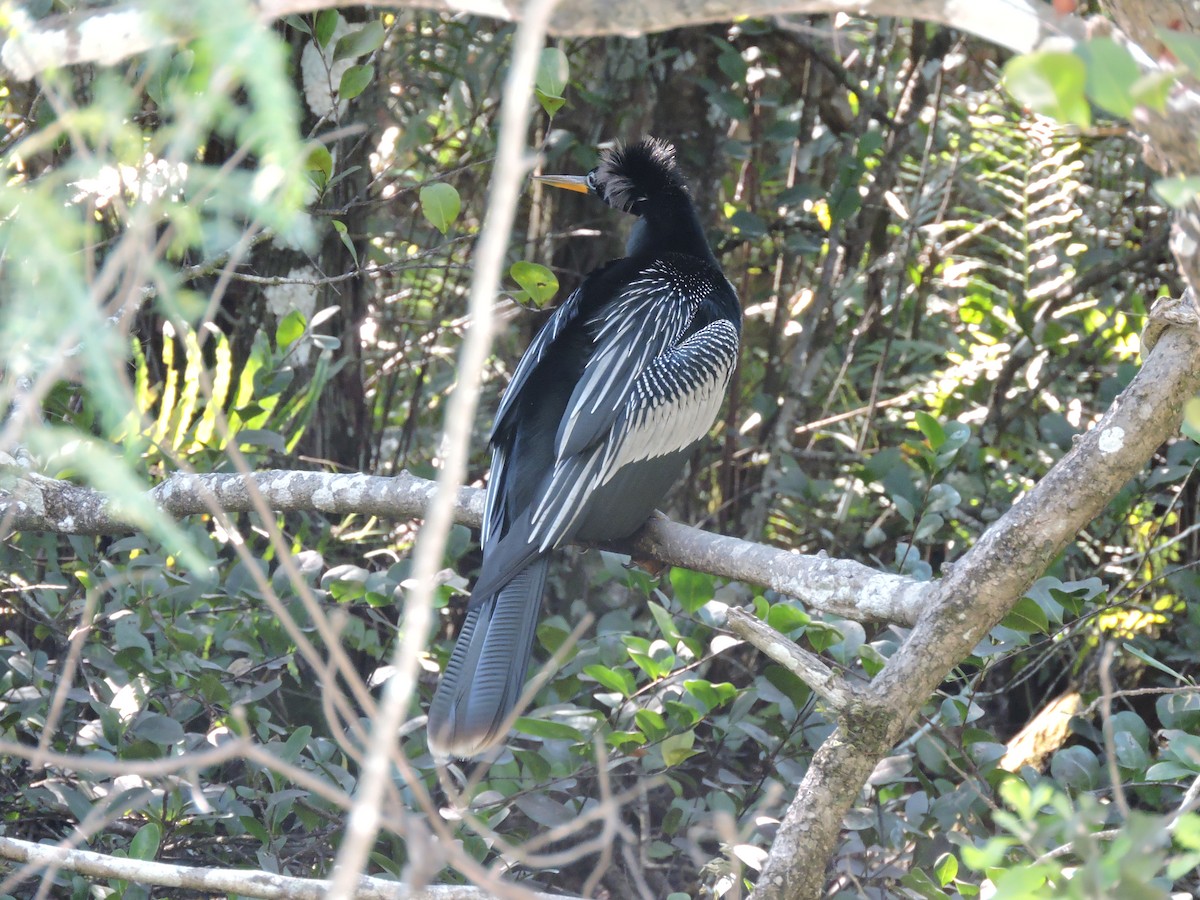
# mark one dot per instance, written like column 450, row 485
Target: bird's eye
column 591, row 180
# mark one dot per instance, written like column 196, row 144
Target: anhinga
column 602, row 412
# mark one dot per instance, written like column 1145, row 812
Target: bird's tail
column 486, row 672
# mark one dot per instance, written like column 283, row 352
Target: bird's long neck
column 669, row 225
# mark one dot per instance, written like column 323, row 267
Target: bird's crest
column 633, row 173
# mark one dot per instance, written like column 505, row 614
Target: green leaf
column 1027, row 617
column 618, row 739
column 1051, row 83
column 1111, row 74
column 656, row 658
column 297, row 742
column 290, row 329
column 354, row 81
column 1076, row 768
column 692, row 589
column 946, row 868
column 1187, row 831
column 957, row 435
column 327, row 22
column 320, row 163
column 1020, row 883
column 1179, row 710
column 1169, row 771
column 145, row 843
column 650, row 723
column 539, row 283
column 1152, row 89
column 942, row 497
column 666, row 625
column 340, row 228
column 987, row 856
column 615, row 679
column 1178, row 191
column 711, row 695
column 360, row 42
column 298, row 23
column 550, row 104
column 158, row 729
column 678, row 747
column 440, row 205
column 1184, row 47
column 931, row 429
column 930, row 524
column 822, row 635
column 1151, row 661
column 786, row 617
column 543, row 728
column 553, row 73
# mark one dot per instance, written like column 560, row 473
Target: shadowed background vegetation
column 209, row 263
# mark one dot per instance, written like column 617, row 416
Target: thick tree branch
column 979, row 589
column 227, row 881
column 32, row 502
column 111, row 35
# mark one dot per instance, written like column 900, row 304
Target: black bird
column 601, row 414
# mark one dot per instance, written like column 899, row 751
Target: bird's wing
column 534, row 353
column 493, row 511
column 648, row 318
column 668, row 406
column 563, row 316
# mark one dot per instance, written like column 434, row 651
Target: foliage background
column 208, row 265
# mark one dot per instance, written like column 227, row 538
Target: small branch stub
column 808, row 667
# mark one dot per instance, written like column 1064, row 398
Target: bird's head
column 630, row 178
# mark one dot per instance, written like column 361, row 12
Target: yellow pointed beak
column 569, row 182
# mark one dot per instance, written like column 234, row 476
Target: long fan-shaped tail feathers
column 486, row 672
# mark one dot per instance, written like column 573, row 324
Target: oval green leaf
column 553, row 72
column 1051, row 83
column 289, row 329
column 354, row 81
column 539, row 283
column 547, row 730
column 360, row 42
column 327, row 22
column 1111, row 75
column 440, row 204
column 144, row 845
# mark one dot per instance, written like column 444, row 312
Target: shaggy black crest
column 634, row 173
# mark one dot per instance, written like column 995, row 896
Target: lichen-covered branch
column 109, row 35
column 972, row 597
column 32, row 502
column 244, row 883
column 804, row 664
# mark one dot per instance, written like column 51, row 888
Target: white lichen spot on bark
column 286, row 485
column 878, row 593
column 1112, row 439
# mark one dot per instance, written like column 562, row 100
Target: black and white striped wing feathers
column 646, row 394
column 566, row 313
column 642, row 325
